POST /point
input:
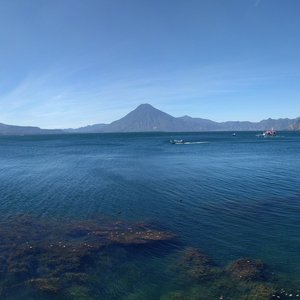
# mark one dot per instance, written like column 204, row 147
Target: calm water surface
column 231, row 197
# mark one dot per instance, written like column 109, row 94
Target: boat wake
column 182, row 142
column 192, row 143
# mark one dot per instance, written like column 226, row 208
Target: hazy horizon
column 67, row 64
column 155, row 108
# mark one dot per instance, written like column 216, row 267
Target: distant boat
column 270, row 132
column 177, row 141
column 234, row 134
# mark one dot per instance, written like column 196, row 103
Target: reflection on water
column 44, row 259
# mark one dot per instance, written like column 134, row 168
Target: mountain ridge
column 26, row 130
column 146, row 118
column 296, row 125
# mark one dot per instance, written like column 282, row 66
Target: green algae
column 58, row 259
column 243, row 279
column 80, row 293
column 101, row 260
column 247, row 269
column 176, row 295
column 198, row 266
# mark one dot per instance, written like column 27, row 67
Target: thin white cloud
column 53, row 100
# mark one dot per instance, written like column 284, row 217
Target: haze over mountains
column 296, row 125
column 25, row 130
column 146, row 118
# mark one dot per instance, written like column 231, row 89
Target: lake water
column 231, row 197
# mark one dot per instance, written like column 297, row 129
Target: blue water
column 232, row 196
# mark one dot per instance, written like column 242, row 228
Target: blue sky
column 69, row 63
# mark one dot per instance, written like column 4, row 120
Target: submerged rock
column 197, row 265
column 248, row 270
column 80, row 293
column 193, row 256
column 176, row 295
column 79, row 231
column 120, row 233
column 262, row 292
column 59, row 258
column 77, row 278
column 37, row 253
column 47, row 285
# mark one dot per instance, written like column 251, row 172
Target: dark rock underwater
column 43, row 259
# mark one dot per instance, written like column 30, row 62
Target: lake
column 132, row 216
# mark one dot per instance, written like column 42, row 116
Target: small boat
column 177, row 141
column 270, row 132
column 234, row 134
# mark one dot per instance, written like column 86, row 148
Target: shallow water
column 230, row 196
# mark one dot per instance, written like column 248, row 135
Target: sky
column 70, row 63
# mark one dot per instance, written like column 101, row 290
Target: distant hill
column 146, row 118
column 278, row 124
column 25, row 130
column 295, row 126
column 86, row 129
column 191, row 124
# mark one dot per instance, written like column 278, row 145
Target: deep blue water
column 231, row 196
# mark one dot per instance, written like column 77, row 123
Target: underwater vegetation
column 110, row 259
column 56, row 258
column 245, row 279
